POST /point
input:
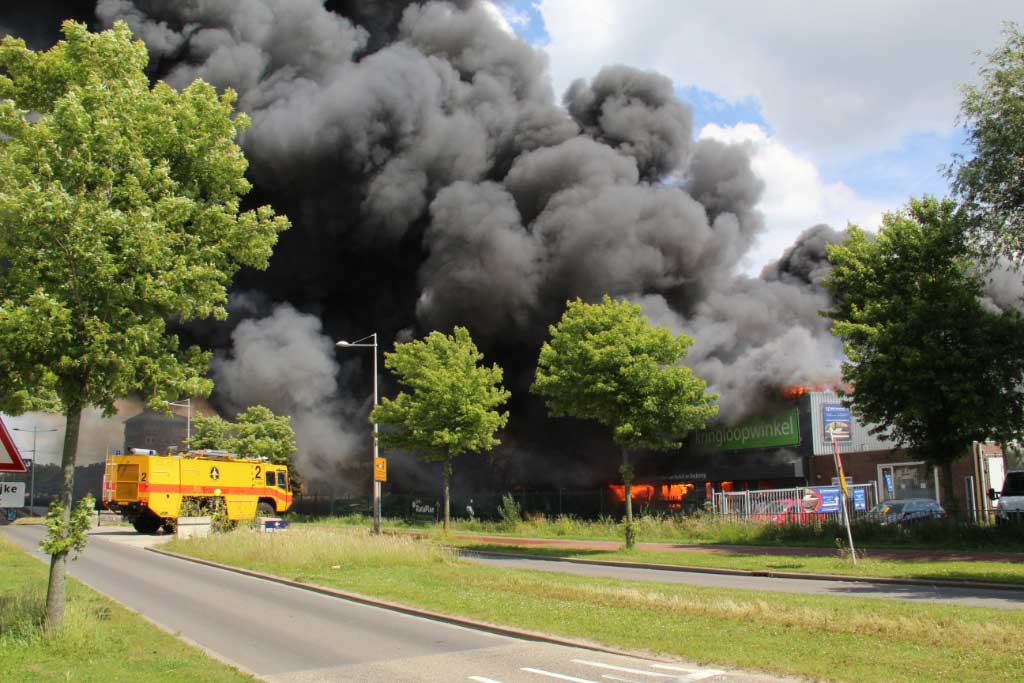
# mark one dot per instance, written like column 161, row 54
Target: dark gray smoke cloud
column 285, row 362
column 434, row 180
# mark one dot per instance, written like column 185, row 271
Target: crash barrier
column 805, row 502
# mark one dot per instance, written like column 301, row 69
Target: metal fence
column 586, row 504
column 581, row 504
column 751, row 504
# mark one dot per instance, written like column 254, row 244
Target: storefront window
column 910, row 480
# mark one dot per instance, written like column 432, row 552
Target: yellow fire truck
column 148, row 489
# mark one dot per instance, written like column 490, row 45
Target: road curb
column 767, row 573
column 497, row 629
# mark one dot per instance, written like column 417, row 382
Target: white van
column 1011, row 499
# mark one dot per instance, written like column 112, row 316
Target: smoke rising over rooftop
column 433, row 179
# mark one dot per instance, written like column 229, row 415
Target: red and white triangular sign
column 10, row 458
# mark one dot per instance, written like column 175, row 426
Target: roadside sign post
column 838, row 422
column 843, row 497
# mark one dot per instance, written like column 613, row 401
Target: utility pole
column 32, row 476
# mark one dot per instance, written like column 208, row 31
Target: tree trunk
column 446, row 470
column 950, row 503
column 627, row 480
column 58, row 563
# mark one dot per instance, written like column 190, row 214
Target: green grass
column 999, row 572
column 713, row 529
column 99, row 640
column 824, row 637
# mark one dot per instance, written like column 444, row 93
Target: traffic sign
column 380, row 469
column 10, row 458
column 12, row 494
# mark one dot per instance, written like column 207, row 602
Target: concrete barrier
column 193, row 527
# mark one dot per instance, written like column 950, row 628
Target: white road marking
column 694, row 674
column 481, row 679
column 624, row 680
column 623, row 669
column 561, row 677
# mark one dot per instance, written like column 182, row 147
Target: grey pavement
column 918, row 592
column 285, row 634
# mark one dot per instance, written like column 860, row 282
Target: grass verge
column 823, row 637
column 99, row 640
column 715, row 529
column 866, row 567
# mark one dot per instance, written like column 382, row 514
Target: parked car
column 785, row 511
column 906, row 511
column 1010, row 501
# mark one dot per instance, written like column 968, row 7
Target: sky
column 851, row 108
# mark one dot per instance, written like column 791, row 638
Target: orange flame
column 670, row 494
column 798, row 390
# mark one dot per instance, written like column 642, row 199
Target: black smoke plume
column 434, row 179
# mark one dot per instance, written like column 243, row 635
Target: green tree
column 605, row 362
column 927, row 360
column 257, row 431
column 120, row 207
column 212, row 432
column 451, row 406
column 990, row 182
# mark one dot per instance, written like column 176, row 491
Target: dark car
column 906, row 510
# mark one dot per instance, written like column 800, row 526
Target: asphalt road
column 970, row 597
column 284, row 634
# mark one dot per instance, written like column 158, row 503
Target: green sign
column 781, row 429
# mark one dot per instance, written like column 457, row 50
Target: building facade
column 791, row 446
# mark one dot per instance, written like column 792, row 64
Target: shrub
column 510, row 511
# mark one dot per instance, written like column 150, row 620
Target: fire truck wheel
column 265, row 509
column 147, row 523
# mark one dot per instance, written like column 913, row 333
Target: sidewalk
column 916, row 555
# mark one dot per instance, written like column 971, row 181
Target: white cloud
column 796, row 196
column 832, row 78
column 510, row 15
column 503, row 16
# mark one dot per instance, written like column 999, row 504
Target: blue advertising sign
column 860, row 500
column 888, row 482
column 837, row 422
column 822, row 499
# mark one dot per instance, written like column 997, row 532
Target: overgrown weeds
column 316, row 549
column 708, row 528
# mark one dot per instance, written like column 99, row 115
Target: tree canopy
column 990, row 181
column 605, row 362
column 120, row 206
column 928, row 361
column 450, row 404
column 255, row 432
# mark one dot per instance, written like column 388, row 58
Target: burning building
column 433, row 179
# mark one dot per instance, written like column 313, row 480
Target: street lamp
column 376, row 484
column 187, row 403
column 32, row 477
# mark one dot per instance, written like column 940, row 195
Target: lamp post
column 32, row 476
column 187, row 403
column 376, row 484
